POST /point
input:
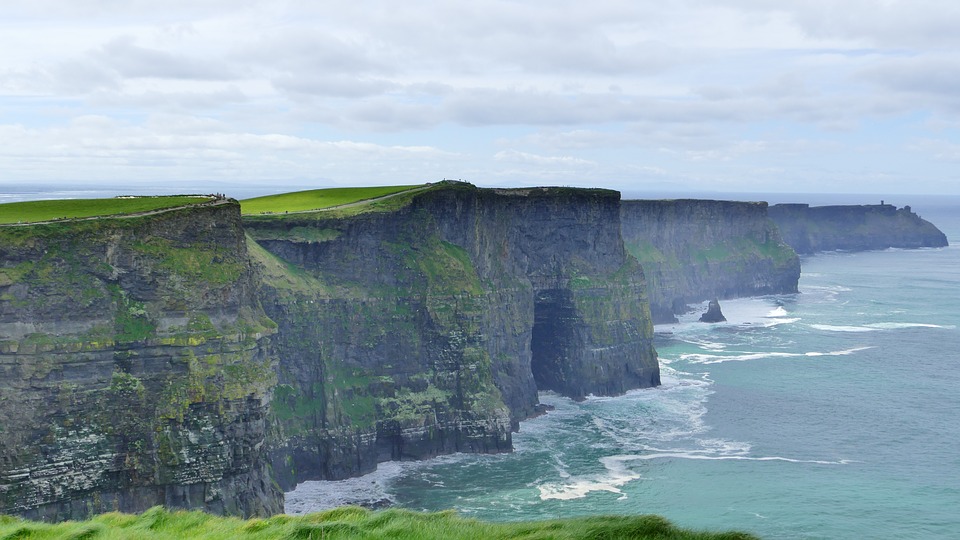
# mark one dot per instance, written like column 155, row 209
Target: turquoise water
column 833, row 413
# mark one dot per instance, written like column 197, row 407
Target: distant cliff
column 428, row 326
column 135, row 367
column 853, row 228
column 695, row 250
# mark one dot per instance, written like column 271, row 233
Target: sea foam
column 616, row 474
column 719, row 359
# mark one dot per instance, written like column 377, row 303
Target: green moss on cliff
column 287, row 279
column 132, row 383
column 132, row 323
column 199, row 262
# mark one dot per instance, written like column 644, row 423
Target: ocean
column 833, row 413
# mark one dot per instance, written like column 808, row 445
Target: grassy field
column 316, row 199
column 34, row 211
column 353, row 523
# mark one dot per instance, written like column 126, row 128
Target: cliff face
column 695, row 250
column 853, row 228
column 134, row 367
column 173, row 359
column 428, row 328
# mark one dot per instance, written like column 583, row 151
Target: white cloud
column 515, row 156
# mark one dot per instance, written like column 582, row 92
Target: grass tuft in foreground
column 353, row 523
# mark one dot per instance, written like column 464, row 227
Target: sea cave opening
column 555, row 337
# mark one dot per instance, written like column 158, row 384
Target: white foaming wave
column 723, row 447
column 673, row 380
column 779, row 312
column 841, row 328
column 719, row 359
column 314, row 496
column 704, row 344
column 678, row 413
column 703, row 455
column 774, row 321
column 898, row 326
column 828, row 292
column 753, row 311
column 615, row 476
column 828, row 288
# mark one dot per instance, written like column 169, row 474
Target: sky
column 803, row 96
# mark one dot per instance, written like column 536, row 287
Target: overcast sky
column 676, row 95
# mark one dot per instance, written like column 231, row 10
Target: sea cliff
column 696, row 250
column 191, row 359
column 809, row 229
column 135, row 367
column 428, row 327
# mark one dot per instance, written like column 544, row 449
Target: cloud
column 128, row 59
column 515, row 156
column 333, row 86
column 99, row 147
column 936, row 73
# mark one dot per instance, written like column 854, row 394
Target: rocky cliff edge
column 135, row 367
column 427, row 327
column 695, row 250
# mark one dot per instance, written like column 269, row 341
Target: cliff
column 191, row 359
column 428, row 325
column 696, row 250
column 853, row 228
column 135, row 367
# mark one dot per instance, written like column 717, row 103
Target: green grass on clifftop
column 352, row 523
column 316, row 199
column 37, row 211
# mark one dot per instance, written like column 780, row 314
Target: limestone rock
column 694, row 250
column 713, row 313
column 429, row 328
column 854, row 227
column 135, row 368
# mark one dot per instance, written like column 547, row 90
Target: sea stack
column 713, row 314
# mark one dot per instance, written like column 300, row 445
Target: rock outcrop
column 135, row 367
column 696, row 250
column 713, row 313
column 853, row 228
column 428, row 326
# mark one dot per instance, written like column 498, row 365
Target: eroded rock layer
column 696, row 250
column 427, row 327
column 809, row 229
column 135, row 367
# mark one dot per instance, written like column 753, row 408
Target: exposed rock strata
column 696, row 250
column 134, row 368
column 428, row 328
column 853, row 228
